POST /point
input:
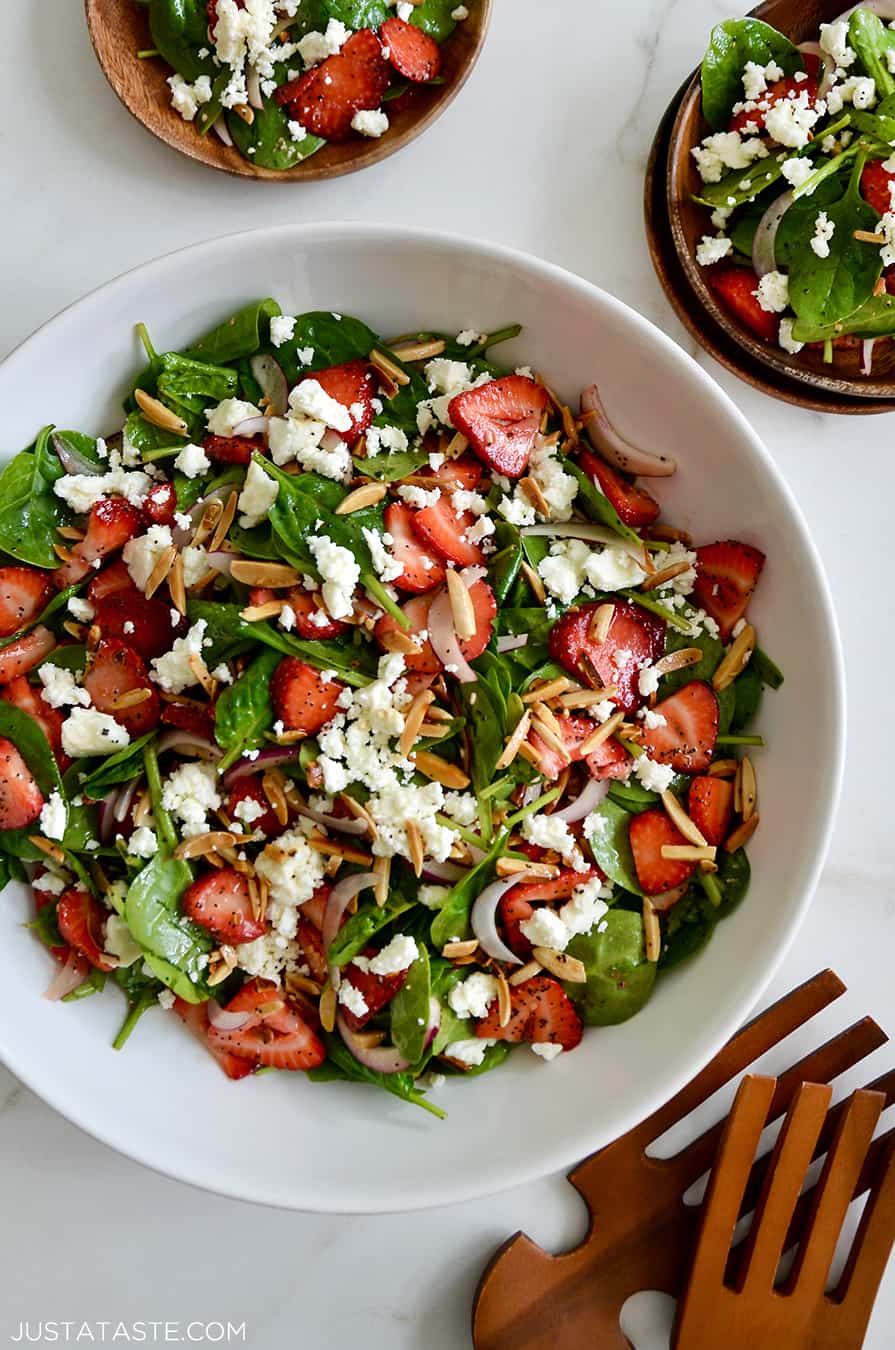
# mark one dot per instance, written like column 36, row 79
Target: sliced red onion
column 667, row 898
column 188, row 740
column 483, row 917
column 105, row 818
column 340, row 898
column 341, row 824
column 766, row 234
column 274, row 386
column 219, row 126
column 443, row 871
column 253, row 90
column 434, row 1022
column 221, row 561
column 587, row 800
column 252, row 426
column 125, row 799
column 885, row 9
column 268, row 758
column 222, row 1020
column 511, row 642
column 867, row 355
column 72, row 460
column 445, row 642
column 67, row 977
column 583, row 529
column 613, row 447
column 379, row 1058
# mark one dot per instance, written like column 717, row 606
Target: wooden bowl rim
column 167, row 126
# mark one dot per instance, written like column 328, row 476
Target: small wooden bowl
column 799, row 20
column 714, row 337
column 120, row 28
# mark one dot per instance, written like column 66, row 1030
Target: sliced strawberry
column 21, row 800
column 315, row 908
column 195, row 1018
column 141, row 623
column 220, row 901
column 412, row 52
column 788, row 87
column 231, row 449
column 82, row 920
column 274, row 1036
column 736, row 288
column 609, row 760
column 635, row 638
column 251, row 789
column 160, row 504
column 189, row 716
column 111, row 579
column 424, row 661
column 554, row 888
column 541, row 1012
column 306, row 606
column 24, row 593
column 513, row 911
column 116, row 669
column 350, row 384
column 710, row 803
column 112, row 522
column 633, row 504
column 422, row 570
column 464, row 472
column 443, row 529
column 302, row 699
column 19, row 656
column 501, row 420
column 325, row 99
column 313, row 950
column 29, row 700
column 43, row 900
column 875, row 184
column 485, row 608
column 377, row 990
column 687, row 739
column 648, row 832
column 726, row 575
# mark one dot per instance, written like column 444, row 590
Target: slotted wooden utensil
column 730, row 1298
column 641, row 1232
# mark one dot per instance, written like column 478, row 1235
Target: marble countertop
column 545, row 150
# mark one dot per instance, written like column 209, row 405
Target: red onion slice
column 613, row 447
column 72, row 460
column 219, row 126
column 511, row 642
column 867, row 355
column 125, row 799
column 221, row 561
column 253, row 90
column 274, row 386
column 589, row 798
column 106, row 816
column 340, row 898
column 188, row 740
column 443, row 871
column 380, row 1058
column 445, row 642
column 266, row 759
column 582, row 529
column 885, row 9
column 341, row 824
column 252, row 426
column 667, row 898
column 222, row 1020
column 67, row 977
column 483, row 917
column 766, row 234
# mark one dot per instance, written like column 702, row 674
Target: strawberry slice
column 21, row 800
column 231, row 449
column 43, row 900
column 647, row 833
column 306, row 607
column 190, row 716
column 160, row 504
column 443, row 529
column 274, row 1036
column 29, row 700
column 554, row 888
column 635, row 638
column 710, row 803
column 541, row 1012
column 315, row 908
column 221, row 902
column 424, row 661
column 82, row 921
column 422, row 570
column 251, row 789
column 788, row 87
column 875, row 184
column 195, row 1018
column 112, row 522
column 18, row 657
column 726, row 575
column 325, row 99
column 633, row 504
column 113, row 578
column 141, row 623
column 312, row 948
column 115, row 669
column 736, row 288
column 609, row 760
column 302, row 699
column 501, row 420
column 464, row 472
column 687, row 740
column 514, row 910
column 350, row 384
column 24, row 593
column 377, row 990
column 412, row 52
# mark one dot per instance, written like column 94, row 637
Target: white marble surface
column 546, row 150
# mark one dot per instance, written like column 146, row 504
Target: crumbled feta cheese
column 545, row 929
column 756, row 77
column 141, row 554
column 824, row 229
column 652, row 776
column 547, row 1050
column 370, row 122
column 80, row 609
column 61, row 688
column 399, row 955
column 315, row 47
column 81, row 491
column 647, row 680
column 268, row 956
column 433, row 897
column 293, row 871
column 385, row 440
column 551, row 832
column 340, row 574
column 187, row 98
column 257, row 497
column 447, row 377
column 173, row 670
column 797, row 170
column 651, row 720
column 458, row 15
column 53, row 816
column 834, row 41
column 189, row 793
column 119, row 943
column 297, row 133
column 859, row 90
column 351, row 998
column 282, row 329
column 711, row 250
column 419, row 497
column 227, row 415
column 469, row 1053
column 248, row 810
column 386, row 566
column 786, row 339
column 726, row 150
column 472, row 997
column 310, row 398
column 396, row 805
column 166, row 999
column 192, row 460
column 790, row 120
column 142, row 843
column 773, row 292
column 88, row 732
column 517, row 510
column 572, row 562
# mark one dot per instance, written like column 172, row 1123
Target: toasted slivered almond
column 669, row 535
column 569, row 424
column 200, row 844
column 549, row 736
column 62, row 553
column 547, row 689
column 141, row 807
column 589, row 672
column 368, row 494
column 736, row 658
column 431, row 729
column 679, row 660
column 462, row 608
column 396, row 641
column 93, row 636
column 275, row 575
column 76, row 630
column 723, row 768
column 678, row 817
column 738, row 789
column 220, row 966
column 440, row 770
column 742, row 834
column 132, row 699
column 437, row 714
column 288, row 737
column 175, row 584
column 414, row 719
column 664, row 574
column 600, row 621
column 529, row 753
column 207, row 521
column 868, row 237
column 542, row 713
column 70, row 532
column 652, row 933
column 748, row 789
column 255, row 898
column 418, row 351
column 563, row 966
column 255, row 613
column 526, row 972
column 388, row 368
column 223, row 525
column 360, row 812
column 202, row 673
column 504, row 1000
column 534, row 582
column 302, row 984
column 272, row 786
column 369, row 1040
column 515, row 741
column 48, row 847
column 467, row 947
column 560, row 785
column 163, row 564
column 245, row 111
column 327, row 1008
column 689, row 852
column 456, row 446
column 586, row 698
column 531, row 489
column 602, row 733
column 383, row 868
column 158, row 414
column 414, row 846
column 332, row 848
column 508, row 867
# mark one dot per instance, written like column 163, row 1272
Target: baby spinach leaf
column 770, row 674
column 353, row 661
column 619, row 977
column 258, row 542
column 494, row 1056
column 118, row 768
column 747, row 693
column 141, row 992
column 611, row 846
column 686, row 928
column 164, row 825
column 733, row 877
column 95, row 983
column 731, row 45
column 596, row 504
column 79, row 444
column 28, row 738
column 240, row 335
column 176, row 948
column 369, row 920
column 871, row 41
column 503, row 566
column 743, row 185
column 712, row 651
column 410, row 1009
column 268, row 141
column 30, row 511
column 341, row 1066
column 190, row 385
column 179, row 30
column 333, row 341
column 389, row 468
column 146, row 438
column 874, row 318
column 435, row 18
column 826, row 290
column 452, row 920
column 743, row 226
column 243, row 711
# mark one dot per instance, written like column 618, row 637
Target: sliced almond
column 132, row 699
column 274, row 791
column 275, row 575
column 736, row 658
column 679, row 660
column 413, row 720
column 440, row 770
column 560, row 964
column 369, row 1040
column 529, row 753
column 221, row 964
column 742, row 834
column 462, row 608
column 255, row 613
column 547, row 689
column 508, row 867
column 175, row 584
column 669, row 535
column 467, row 947
column 48, row 847
column 602, row 733
column 456, row 446
column 549, row 736
column 202, row 673
column 224, row 523
column 368, row 494
column 163, row 564
column 738, row 789
column 688, row 852
column 383, row 868
column 530, row 488
column 327, row 1008
column 515, row 741
column 245, row 111
column 723, row 768
column 600, row 622
column 504, row 999
column 534, row 582
column 415, row 848
column 360, row 812
column 207, row 521
column 198, row 845
column 62, row 553
column 678, row 817
column 664, row 574
column 526, row 972
column 396, row 641
column 158, row 414
column 76, row 630
column 387, row 367
column 652, row 933
column 418, row 351
column 748, row 789
column 302, row 984
column 70, row 532
column 586, row 698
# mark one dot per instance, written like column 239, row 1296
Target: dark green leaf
column 176, row 948
column 871, row 41
column 341, row 1066
column 452, row 920
column 243, row 711
column 731, row 45
column 179, row 30
column 369, row 920
column 240, row 335
column 611, row 846
column 118, row 768
column 825, row 291
column 770, row 674
column 410, row 1009
column 30, row 511
column 435, row 18
column 268, row 143
column 596, row 504
column 619, row 977
column 28, row 738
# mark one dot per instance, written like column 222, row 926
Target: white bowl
column 279, row 1139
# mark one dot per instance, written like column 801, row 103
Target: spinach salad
column 356, row 706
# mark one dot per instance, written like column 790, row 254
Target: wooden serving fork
column 641, row 1232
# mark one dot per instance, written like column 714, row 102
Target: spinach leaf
column 79, row 444
column 731, row 45
column 686, row 928
column 353, row 661
column 770, row 674
column 259, row 542
column 368, row 920
column 747, row 693
column 141, row 992
column 146, row 439
column 596, row 504
column 30, row 511
column 503, row 566
column 874, row 318
column 176, row 948
column 179, row 30
column 712, row 649
column 29, row 739
column 742, row 228
column 389, row 468
column 733, row 877
column 243, row 711
column 743, row 185
column 95, row 983
column 452, row 920
column 871, row 41
column 241, row 335
column 435, row 18
column 494, row 1056
column 341, row 1066
column 634, row 798
column 410, row 1009
column 333, row 341
column 486, row 716
column 268, row 141
column 611, row 846
column 619, row 977
column 118, row 768
column 190, row 385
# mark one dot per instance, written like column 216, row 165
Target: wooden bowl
column 120, row 28
column 716, row 338
column 799, row 20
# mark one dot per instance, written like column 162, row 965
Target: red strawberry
column 687, row 740
column 112, row 522
column 116, row 669
column 443, row 529
column 350, row 384
column 875, row 182
column 634, row 505
column 501, row 420
column 195, row 1018
column 315, row 908
column 313, row 950
column 726, row 575
column 735, row 287
column 648, row 832
column 302, row 699
column 43, row 899
column 29, row 700
column 554, row 888
column 377, row 990
column 609, row 760
column 417, row 611
column 464, row 472
column 189, row 716
column 251, row 789
column 638, row 635
column 24, row 592
column 142, row 624
column 305, row 605
column 18, row 657
column 231, row 449
column 710, row 803
column 274, row 1036
column 541, row 1012
column 160, row 504
column 513, row 911
column 221, row 902
column 325, row 99
column 781, row 89
column 412, row 52
column 21, row 800
column 422, row 570
column 82, row 921
column 113, row 578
